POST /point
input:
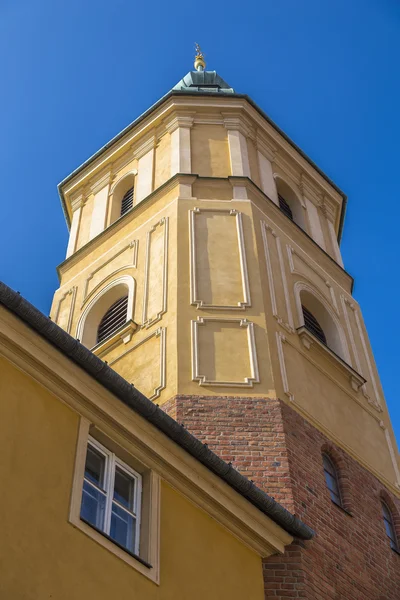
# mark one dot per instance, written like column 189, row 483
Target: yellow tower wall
column 220, row 273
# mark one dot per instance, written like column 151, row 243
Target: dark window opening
column 331, row 479
column 389, row 526
column 285, row 208
column 312, row 325
column 114, row 318
column 127, row 201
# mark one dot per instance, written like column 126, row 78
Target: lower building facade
column 351, row 556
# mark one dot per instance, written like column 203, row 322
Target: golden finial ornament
column 199, row 62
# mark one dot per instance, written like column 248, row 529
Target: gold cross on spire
column 199, row 62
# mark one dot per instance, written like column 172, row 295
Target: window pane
column 93, row 505
column 94, row 468
column 124, row 489
column 331, row 483
column 123, row 527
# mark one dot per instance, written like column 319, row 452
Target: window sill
column 342, row 509
column 308, row 339
column 395, row 550
column 123, row 334
column 110, row 539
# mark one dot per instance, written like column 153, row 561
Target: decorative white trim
column 131, row 173
column 288, row 325
column 134, row 245
column 148, row 320
column 101, row 182
column 302, row 285
column 291, row 251
column 72, row 292
column 280, row 340
column 368, row 361
column 345, row 303
column 202, row 379
column 392, row 456
column 128, row 281
column 158, row 333
column 150, row 535
column 194, row 297
column 74, row 230
column 336, row 249
column 143, row 146
column 123, row 334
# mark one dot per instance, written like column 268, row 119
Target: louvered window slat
column 127, row 201
column 311, row 323
column 285, row 208
column 114, row 318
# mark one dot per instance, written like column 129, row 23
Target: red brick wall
column 350, row 557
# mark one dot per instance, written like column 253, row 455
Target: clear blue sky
column 73, row 74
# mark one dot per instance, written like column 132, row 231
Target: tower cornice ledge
column 252, row 118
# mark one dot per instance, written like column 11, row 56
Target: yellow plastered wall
column 38, row 435
column 210, row 151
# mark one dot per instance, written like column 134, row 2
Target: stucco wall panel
column 210, row 152
column 219, row 270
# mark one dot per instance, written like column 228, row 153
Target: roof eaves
column 204, row 94
column 128, row 394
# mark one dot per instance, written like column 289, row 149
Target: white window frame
column 147, row 561
column 111, row 463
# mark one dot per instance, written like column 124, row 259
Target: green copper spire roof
column 201, row 80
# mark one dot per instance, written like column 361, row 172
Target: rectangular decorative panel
column 155, row 277
column 224, row 352
column 124, row 258
column 219, row 278
column 65, row 309
column 277, row 280
column 144, row 364
column 359, row 351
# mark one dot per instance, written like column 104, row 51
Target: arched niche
column 98, row 306
column 325, row 316
column 124, row 187
column 290, row 203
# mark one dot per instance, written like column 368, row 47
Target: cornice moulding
column 265, row 147
column 143, row 146
column 179, row 119
column 101, row 181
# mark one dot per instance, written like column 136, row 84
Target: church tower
column 204, row 266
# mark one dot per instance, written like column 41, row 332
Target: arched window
column 290, row 204
column 122, row 197
column 332, row 480
column 389, row 525
column 109, row 309
column 311, row 323
column 127, row 201
column 114, row 318
column 320, row 322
